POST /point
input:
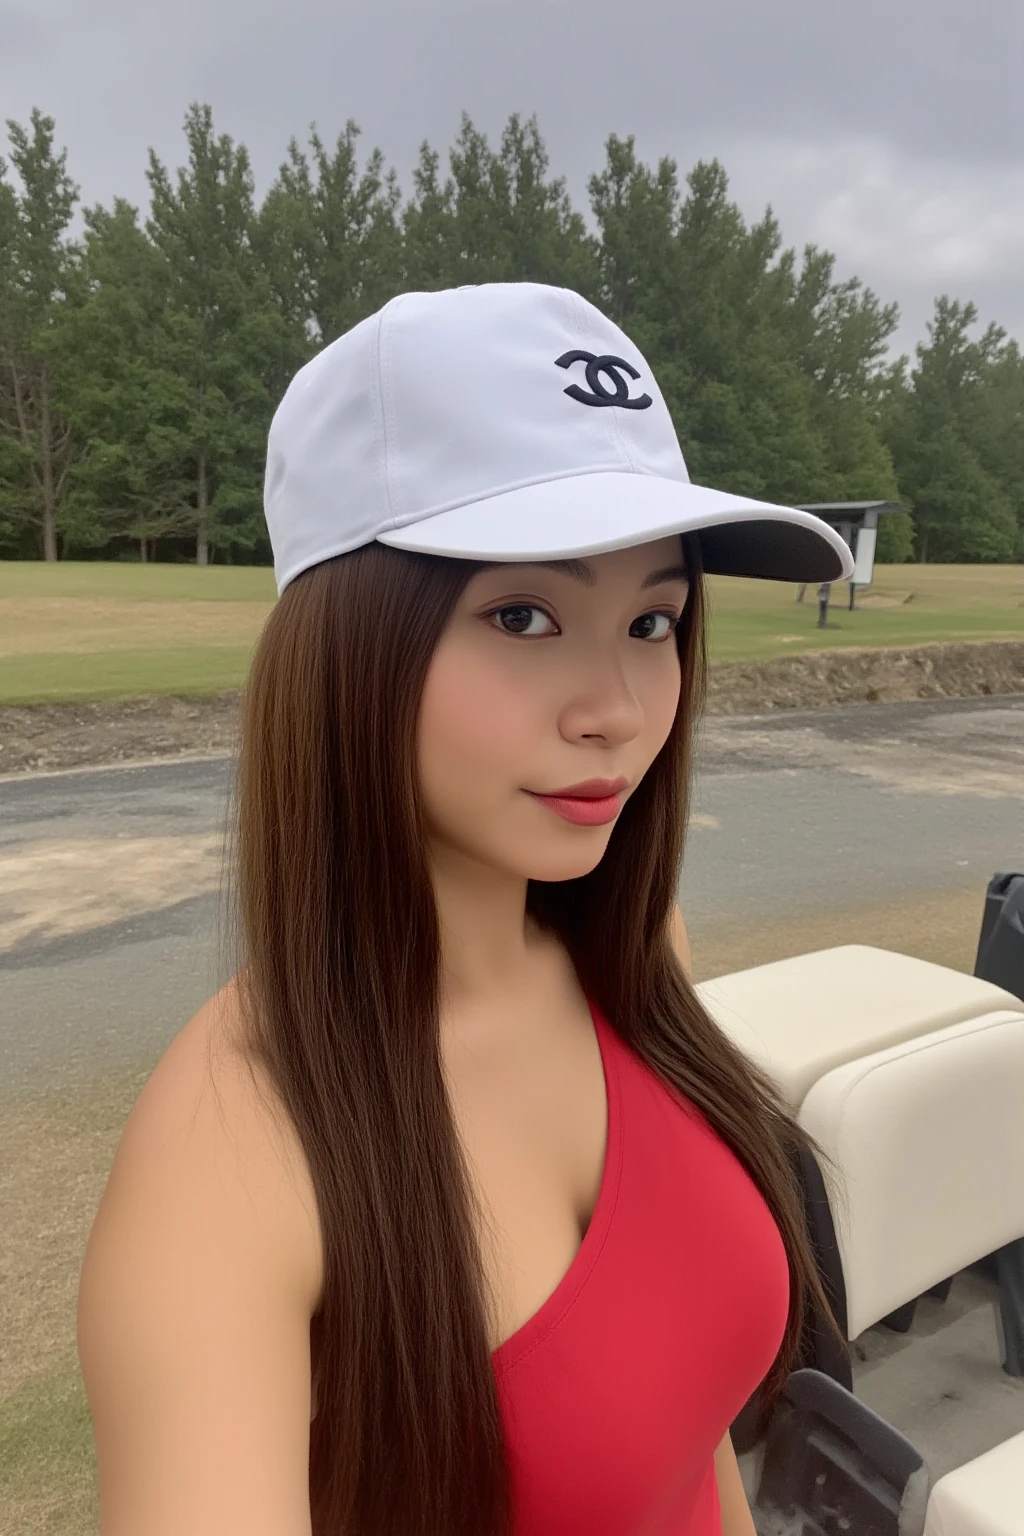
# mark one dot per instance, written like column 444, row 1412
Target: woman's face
column 544, row 679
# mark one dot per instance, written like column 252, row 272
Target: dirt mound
column 52, row 737
column 945, row 670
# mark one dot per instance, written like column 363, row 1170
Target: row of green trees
column 140, row 363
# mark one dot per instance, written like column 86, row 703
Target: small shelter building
column 857, row 523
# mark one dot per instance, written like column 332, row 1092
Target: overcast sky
column 889, row 131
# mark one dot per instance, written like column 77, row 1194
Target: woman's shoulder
column 206, row 1106
column 198, row 1283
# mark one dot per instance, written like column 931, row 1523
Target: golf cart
column 910, row 1075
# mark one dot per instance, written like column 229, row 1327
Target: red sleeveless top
column 615, row 1394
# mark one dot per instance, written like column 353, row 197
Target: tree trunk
column 47, row 485
column 202, row 501
column 923, row 552
column 142, row 551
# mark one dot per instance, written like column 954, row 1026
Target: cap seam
column 585, row 331
column 387, row 404
column 391, row 420
column 380, row 433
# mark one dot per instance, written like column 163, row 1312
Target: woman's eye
column 520, row 619
column 649, row 623
column 527, row 619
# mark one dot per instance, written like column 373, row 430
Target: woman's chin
column 567, row 866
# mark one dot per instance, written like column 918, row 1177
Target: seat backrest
column 929, row 1138
column 1000, row 957
column 832, row 1464
column 801, row 1017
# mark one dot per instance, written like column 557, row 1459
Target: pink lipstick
column 592, row 804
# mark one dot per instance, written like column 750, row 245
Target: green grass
column 150, row 583
column 758, row 620
column 57, row 677
column 90, row 631
column 48, row 1478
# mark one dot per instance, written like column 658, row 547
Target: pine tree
column 496, row 218
column 36, row 263
column 329, row 239
column 941, row 438
column 224, row 333
column 130, row 405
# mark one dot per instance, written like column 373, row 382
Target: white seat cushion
column 800, row 1018
column 928, row 1140
column 985, row 1497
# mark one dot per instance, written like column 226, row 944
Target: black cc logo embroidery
column 600, row 395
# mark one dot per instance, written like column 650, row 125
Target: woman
column 454, row 1213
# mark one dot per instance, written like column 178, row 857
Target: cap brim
column 591, row 514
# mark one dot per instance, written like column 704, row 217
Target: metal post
column 823, row 596
column 1010, row 1273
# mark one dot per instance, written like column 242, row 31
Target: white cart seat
column 800, row 1018
column 928, row 1137
column 985, row 1497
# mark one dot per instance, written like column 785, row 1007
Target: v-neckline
column 549, row 1313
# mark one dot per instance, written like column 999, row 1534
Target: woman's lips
column 585, row 811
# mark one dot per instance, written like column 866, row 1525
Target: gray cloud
column 892, row 133
column 20, row 34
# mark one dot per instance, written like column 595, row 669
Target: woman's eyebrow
column 581, row 571
column 667, row 573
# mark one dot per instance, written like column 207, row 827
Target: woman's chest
column 532, row 1116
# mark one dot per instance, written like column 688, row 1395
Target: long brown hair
column 334, row 941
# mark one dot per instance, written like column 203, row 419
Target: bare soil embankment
column 52, row 737
column 964, row 669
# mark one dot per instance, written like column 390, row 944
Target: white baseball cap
column 504, row 421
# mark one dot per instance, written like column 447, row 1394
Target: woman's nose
column 604, row 704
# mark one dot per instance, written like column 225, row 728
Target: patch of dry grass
column 55, row 625
column 942, row 928
column 57, row 1156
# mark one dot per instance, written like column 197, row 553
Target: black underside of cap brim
column 770, row 550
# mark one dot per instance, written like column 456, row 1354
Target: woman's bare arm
column 194, row 1302
column 732, row 1499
